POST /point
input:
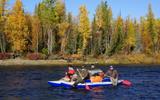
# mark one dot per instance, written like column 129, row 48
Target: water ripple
column 30, row 83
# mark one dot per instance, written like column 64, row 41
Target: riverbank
column 20, row 62
column 116, row 59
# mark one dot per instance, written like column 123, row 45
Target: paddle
column 86, row 86
column 126, row 83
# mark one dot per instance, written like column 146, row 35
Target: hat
column 92, row 66
column 111, row 68
column 70, row 68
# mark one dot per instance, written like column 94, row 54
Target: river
column 30, row 83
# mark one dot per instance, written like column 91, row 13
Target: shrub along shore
column 116, row 59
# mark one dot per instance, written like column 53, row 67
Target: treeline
column 51, row 30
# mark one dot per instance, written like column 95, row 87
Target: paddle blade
column 87, row 87
column 126, row 83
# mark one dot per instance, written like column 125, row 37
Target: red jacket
column 71, row 70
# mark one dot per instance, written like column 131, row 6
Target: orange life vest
column 96, row 79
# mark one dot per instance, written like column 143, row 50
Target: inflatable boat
column 106, row 82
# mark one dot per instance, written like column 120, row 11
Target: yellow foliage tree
column 99, row 17
column 130, row 41
column 16, row 28
column 62, row 33
column 151, row 28
column 146, row 38
column 62, row 24
column 60, row 10
column 117, row 36
column 84, row 27
column 36, row 33
column 2, row 8
column 131, row 35
column 2, row 23
column 158, row 32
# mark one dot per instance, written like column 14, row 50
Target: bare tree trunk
column 1, row 45
column 37, row 42
column 2, row 42
column 48, row 44
column 63, row 45
column 75, row 45
column 49, row 41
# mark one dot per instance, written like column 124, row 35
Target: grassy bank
column 116, row 59
column 14, row 62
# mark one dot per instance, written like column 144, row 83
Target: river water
column 30, row 83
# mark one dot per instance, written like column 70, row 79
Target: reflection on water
column 30, row 83
column 97, row 93
column 98, row 89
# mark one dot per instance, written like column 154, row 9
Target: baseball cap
column 111, row 68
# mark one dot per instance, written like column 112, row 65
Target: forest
column 51, row 32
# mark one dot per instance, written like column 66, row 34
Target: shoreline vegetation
column 114, row 60
column 54, row 36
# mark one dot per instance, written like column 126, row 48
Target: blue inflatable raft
column 62, row 83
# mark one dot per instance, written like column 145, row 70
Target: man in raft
column 69, row 74
column 82, row 75
column 113, row 75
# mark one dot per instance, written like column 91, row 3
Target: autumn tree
column 84, row 27
column 36, row 33
column 130, row 39
column 151, row 27
column 96, row 39
column 158, row 32
column 146, row 38
column 2, row 24
column 70, row 39
column 138, row 46
column 104, row 25
column 29, row 38
column 72, row 34
column 118, row 36
column 16, row 28
column 98, row 25
column 62, row 25
column 48, row 17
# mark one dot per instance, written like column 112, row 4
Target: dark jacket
column 82, row 75
column 112, row 73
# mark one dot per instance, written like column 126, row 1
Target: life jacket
column 71, row 71
column 95, row 71
column 96, row 79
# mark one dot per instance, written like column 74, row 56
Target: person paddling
column 69, row 74
column 113, row 74
column 71, row 71
column 82, row 75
